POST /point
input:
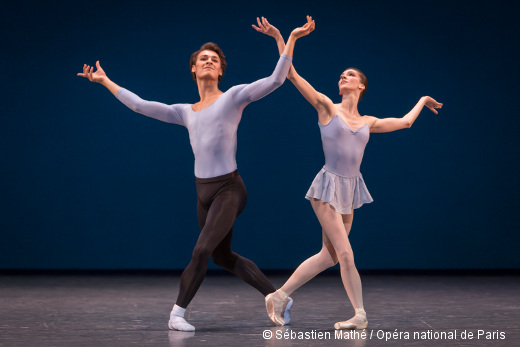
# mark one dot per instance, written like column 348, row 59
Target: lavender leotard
column 340, row 182
column 213, row 130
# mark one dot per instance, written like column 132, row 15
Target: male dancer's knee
column 226, row 261
column 201, row 254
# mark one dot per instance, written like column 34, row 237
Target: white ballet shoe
column 179, row 323
column 287, row 311
column 274, row 307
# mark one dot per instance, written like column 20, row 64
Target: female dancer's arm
column 157, row 110
column 260, row 88
column 386, row 125
column 319, row 101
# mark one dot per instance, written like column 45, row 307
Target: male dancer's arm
column 259, row 89
column 157, row 110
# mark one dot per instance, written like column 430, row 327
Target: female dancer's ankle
column 360, row 312
column 280, row 294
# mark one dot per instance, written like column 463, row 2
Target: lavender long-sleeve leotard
column 213, row 130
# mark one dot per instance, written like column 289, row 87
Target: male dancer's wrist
column 105, row 81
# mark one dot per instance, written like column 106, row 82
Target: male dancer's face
column 207, row 65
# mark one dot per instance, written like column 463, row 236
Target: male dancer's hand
column 98, row 76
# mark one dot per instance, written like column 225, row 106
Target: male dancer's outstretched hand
column 99, row 76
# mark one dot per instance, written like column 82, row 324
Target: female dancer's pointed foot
column 179, row 323
column 350, row 325
column 276, row 304
column 359, row 321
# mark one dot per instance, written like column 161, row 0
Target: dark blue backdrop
column 88, row 184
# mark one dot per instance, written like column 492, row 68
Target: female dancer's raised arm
column 319, row 101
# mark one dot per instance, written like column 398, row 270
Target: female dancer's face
column 207, row 66
column 350, row 81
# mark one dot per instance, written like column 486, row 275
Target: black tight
column 220, row 201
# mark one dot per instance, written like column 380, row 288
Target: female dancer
column 339, row 187
column 212, row 125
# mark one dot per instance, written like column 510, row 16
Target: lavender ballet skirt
column 342, row 193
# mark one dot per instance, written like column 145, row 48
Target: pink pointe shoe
column 277, row 306
column 359, row 321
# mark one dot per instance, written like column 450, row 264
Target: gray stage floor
column 133, row 311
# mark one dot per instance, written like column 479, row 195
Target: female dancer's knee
column 346, row 259
column 326, row 259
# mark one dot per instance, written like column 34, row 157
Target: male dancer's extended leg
column 222, row 201
column 219, row 203
column 220, row 218
column 241, row 267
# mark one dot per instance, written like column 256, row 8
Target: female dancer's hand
column 432, row 104
column 99, row 76
column 265, row 28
